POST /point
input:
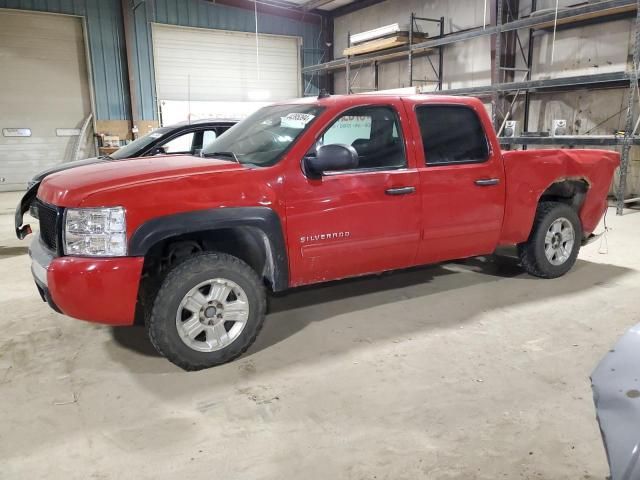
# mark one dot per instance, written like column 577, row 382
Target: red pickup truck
column 301, row 192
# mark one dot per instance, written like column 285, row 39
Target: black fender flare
column 263, row 219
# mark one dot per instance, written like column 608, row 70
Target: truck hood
column 68, row 188
column 38, row 177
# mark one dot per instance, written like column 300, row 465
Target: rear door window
column 451, row 134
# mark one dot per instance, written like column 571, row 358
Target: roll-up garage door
column 44, row 93
column 218, row 67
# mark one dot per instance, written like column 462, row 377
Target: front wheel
column 208, row 311
column 554, row 242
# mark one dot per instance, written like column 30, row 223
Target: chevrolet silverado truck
column 302, row 192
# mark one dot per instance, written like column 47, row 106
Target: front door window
column 373, row 133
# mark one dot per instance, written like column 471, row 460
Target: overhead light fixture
column 379, row 32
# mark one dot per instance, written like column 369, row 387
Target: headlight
column 95, row 232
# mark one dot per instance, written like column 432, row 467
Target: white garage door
column 44, row 92
column 220, row 67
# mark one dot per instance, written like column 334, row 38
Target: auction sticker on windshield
column 296, row 120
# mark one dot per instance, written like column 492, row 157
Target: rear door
column 462, row 181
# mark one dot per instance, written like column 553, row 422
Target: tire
column 190, row 332
column 546, row 254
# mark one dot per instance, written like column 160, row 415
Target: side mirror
column 331, row 158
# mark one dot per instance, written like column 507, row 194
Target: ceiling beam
column 313, row 4
column 280, row 4
column 353, row 7
column 273, row 7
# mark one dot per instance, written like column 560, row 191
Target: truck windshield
column 262, row 138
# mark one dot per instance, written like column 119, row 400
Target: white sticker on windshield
column 155, row 135
column 296, row 120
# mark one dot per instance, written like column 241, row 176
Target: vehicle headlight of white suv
column 95, row 232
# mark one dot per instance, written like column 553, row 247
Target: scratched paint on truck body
column 530, row 172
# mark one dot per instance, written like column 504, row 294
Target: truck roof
column 205, row 121
column 366, row 97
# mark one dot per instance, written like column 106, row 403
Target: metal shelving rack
column 570, row 140
column 576, row 14
column 629, row 129
column 409, row 52
column 412, row 29
column 508, row 91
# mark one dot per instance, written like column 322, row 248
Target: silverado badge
column 324, row 236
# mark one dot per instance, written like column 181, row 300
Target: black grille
column 48, row 216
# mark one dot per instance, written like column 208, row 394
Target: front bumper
column 41, row 258
column 23, row 207
column 101, row 290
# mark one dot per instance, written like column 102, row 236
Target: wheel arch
column 524, row 199
column 571, row 191
column 253, row 234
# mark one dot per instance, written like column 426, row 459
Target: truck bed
column 530, row 173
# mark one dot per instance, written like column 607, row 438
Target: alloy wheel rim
column 559, row 241
column 212, row 315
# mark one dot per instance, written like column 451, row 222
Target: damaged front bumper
column 23, row 207
column 616, row 394
column 100, row 290
column 41, row 259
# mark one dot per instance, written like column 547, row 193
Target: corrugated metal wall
column 198, row 13
column 107, row 46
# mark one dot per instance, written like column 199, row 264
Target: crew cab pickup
column 299, row 193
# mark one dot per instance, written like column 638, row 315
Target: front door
column 362, row 220
column 461, row 181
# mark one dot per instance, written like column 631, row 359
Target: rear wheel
column 208, row 311
column 554, row 243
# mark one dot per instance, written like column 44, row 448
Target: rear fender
column 532, row 173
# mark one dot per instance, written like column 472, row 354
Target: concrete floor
column 470, row 370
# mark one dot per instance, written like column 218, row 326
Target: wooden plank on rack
column 382, row 44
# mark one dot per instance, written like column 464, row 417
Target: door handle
column 400, row 190
column 487, row 182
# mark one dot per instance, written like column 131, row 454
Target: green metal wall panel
column 106, row 48
column 105, row 32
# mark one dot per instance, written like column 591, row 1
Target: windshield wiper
column 222, row 154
